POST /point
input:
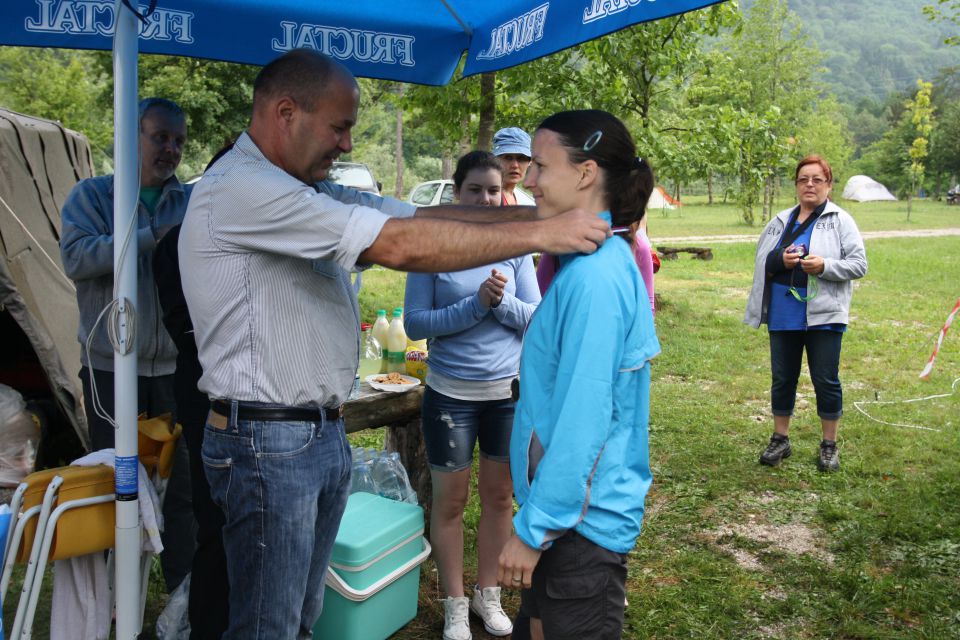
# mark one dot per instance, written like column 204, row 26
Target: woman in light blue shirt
column 578, row 451
column 473, row 321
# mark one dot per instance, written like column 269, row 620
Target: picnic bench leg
column 407, row 439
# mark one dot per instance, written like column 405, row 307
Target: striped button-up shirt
column 265, row 261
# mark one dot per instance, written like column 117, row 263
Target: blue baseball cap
column 511, row 140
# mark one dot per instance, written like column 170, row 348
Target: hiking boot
column 829, row 458
column 456, row 619
column 486, row 604
column 777, row 450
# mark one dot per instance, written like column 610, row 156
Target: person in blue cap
column 511, row 145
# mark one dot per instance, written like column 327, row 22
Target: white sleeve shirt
column 265, row 262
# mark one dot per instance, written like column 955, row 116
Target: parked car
column 432, row 193
column 354, row 174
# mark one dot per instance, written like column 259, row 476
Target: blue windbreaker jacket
column 578, row 452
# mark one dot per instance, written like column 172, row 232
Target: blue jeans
column 283, row 488
column 451, row 428
column 823, row 359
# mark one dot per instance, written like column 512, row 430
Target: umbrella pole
column 125, row 254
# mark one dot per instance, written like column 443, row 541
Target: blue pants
column 823, row 359
column 283, row 487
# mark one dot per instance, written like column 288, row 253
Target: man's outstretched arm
column 432, row 244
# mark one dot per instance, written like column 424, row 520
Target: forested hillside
column 874, row 48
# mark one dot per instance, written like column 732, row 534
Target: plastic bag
column 381, row 473
column 19, row 437
column 391, row 478
column 173, row 622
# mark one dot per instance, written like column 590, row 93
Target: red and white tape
column 936, row 349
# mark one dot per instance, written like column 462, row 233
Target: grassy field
column 698, row 218
column 731, row 549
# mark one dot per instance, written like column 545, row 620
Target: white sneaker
column 456, row 619
column 486, row 604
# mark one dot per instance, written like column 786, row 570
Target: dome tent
column 660, row 199
column 865, row 189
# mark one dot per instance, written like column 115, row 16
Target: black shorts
column 578, row 590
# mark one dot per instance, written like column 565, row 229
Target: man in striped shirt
column 266, row 251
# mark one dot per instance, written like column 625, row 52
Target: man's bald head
column 304, row 106
column 303, row 75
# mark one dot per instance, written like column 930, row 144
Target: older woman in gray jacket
column 807, row 258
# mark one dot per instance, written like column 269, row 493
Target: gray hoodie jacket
column 836, row 238
column 86, row 247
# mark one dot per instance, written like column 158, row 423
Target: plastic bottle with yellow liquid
column 380, row 329
column 396, row 343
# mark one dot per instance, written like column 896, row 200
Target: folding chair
column 75, row 516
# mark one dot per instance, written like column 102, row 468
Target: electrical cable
column 953, row 390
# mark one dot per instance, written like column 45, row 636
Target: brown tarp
column 40, row 161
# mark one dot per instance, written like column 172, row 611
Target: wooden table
column 400, row 414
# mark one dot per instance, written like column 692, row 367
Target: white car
column 432, row 193
column 354, row 174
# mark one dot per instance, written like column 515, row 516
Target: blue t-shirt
column 786, row 313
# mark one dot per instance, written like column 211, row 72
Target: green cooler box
column 374, row 575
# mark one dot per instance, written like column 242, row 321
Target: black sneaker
column 829, row 459
column 777, row 450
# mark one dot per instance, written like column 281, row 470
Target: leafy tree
column 762, row 83
column 826, row 132
column 947, row 11
column 921, row 116
column 60, row 85
column 944, row 159
column 630, row 69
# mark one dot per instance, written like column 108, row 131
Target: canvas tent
column 865, row 189
column 40, row 161
column 660, row 199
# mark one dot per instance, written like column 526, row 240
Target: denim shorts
column 451, row 428
column 578, row 590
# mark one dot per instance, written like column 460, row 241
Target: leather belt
column 276, row 414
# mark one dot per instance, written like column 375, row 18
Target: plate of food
column 391, row 382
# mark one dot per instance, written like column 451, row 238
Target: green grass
column 698, row 218
column 883, row 534
column 886, row 558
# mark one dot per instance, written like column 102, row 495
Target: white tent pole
column 125, row 254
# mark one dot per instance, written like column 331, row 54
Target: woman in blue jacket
column 473, row 320
column 578, row 452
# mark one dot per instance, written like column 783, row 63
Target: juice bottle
column 396, row 343
column 380, row 329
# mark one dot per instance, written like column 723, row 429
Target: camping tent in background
column 865, row 189
column 660, row 199
column 40, row 161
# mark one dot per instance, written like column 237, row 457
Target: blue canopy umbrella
column 420, row 41
column 417, row 41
